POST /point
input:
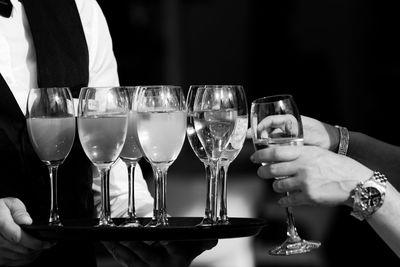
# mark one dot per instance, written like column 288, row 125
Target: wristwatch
column 368, row 196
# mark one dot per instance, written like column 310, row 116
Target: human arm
column 320, row 177
column 17, row 248
column 367, row 150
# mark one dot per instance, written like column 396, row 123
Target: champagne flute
column 131, row 154
column 51, row 128
column 231, row 152
column 215, row 109
column 161, row 127
column 275, row 120
column 102, row 127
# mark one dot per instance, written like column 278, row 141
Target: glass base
column 105, row 222
column 224, row 221
column 131, row 223
column 162, row 222
column 206, row 222
column 55, row 223
column 290, row 247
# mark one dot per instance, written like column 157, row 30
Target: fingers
column 293, row 199
column 276, row 154
column 277, row 170
column 18, row 211
column 288, row 184
column 10, row 231
column 8, row 228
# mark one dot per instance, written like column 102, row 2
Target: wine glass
column 230, row 153
column 215, row 109
column 161, row 127
column 51, row 127
column 102, row 127
column 275, row 120
column 131, row 154
column 200, row 152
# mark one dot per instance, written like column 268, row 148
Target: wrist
column 368, row 196
column 342, row 140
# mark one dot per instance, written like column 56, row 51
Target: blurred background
column 339, row 59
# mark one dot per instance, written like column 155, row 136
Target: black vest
column 62, row 60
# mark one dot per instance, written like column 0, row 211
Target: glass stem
column 214, row 191
column 160, row 217
column 105, row 215
column 54, row 217
column 208, row 171
column 291, row 228
column 223, row 174
column 131, row 190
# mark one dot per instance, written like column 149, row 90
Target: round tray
column 180, row 228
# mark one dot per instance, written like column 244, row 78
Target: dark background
column 339, row 59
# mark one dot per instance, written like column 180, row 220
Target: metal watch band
column 344, row 140
column 361, row 210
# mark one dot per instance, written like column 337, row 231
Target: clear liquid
column 214, row 129
column 161, row 134
column 265, row 143
column 51, row 138
column 102, row 138
column 237, row 140
column 194, row 140
column 131, row 150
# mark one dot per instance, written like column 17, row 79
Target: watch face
column 370, row 197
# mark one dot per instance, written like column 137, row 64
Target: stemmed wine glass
column 161, row 127
column 131, row 154
column 275, row 120
column 215, row 109
column 102, row 127
column 200, row 152
column 51, row 128
column 230, row 153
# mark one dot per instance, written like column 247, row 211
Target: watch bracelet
column 344, row 139
column 360, row 212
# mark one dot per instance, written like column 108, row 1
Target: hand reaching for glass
column 155, row 254
column 17, row 247
column 316, row 176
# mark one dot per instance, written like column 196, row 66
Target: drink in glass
column 51, row 127
column 161, row 127
column 102, row 127
column 131, row 154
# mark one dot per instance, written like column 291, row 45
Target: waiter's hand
column 157, row 254
column 17, row 247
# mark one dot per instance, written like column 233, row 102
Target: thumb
column 18, row 211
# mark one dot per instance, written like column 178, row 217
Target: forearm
column 376, row 155
column 386, row 220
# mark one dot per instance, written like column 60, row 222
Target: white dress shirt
column 18, row 68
